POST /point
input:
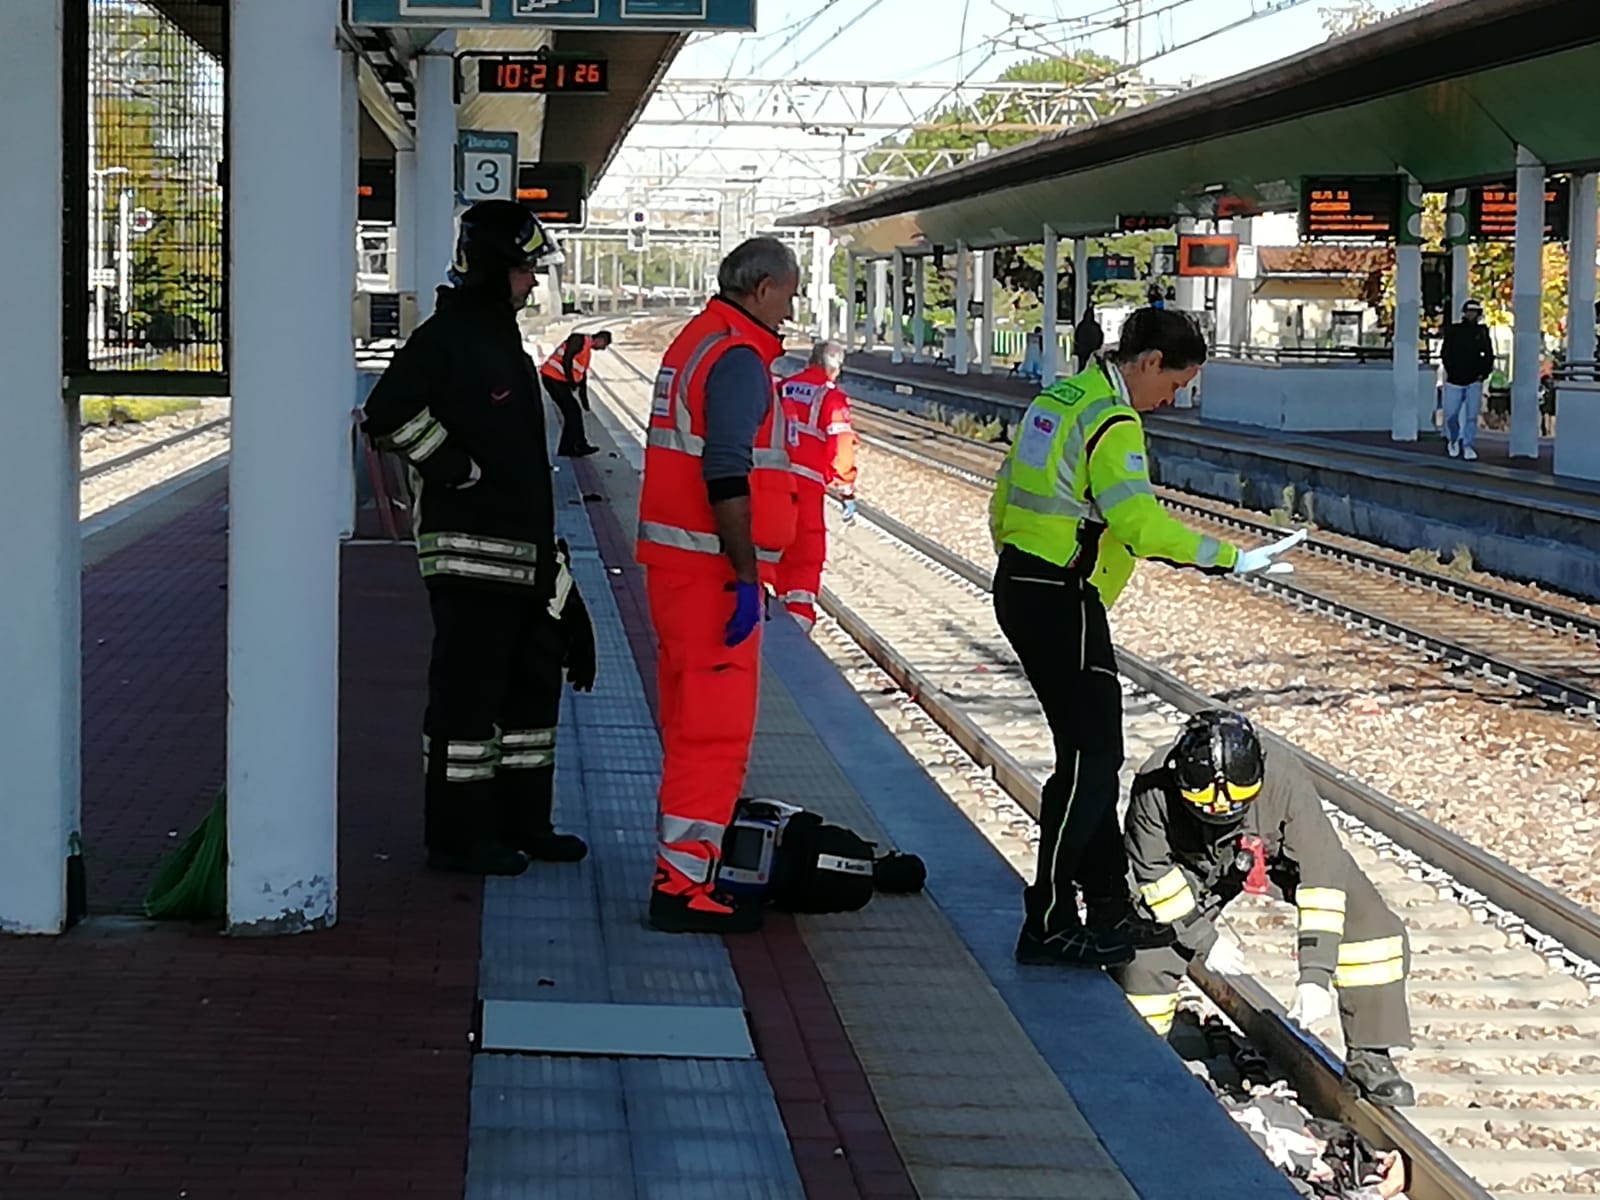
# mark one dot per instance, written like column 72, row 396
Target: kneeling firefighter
column 1213, row 816
column 462, row 406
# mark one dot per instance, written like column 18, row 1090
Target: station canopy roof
column 1447, row 93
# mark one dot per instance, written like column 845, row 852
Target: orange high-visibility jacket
column 676, row 526
column 556, row 365
column 823, row 449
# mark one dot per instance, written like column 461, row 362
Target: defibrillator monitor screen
column 743, row 848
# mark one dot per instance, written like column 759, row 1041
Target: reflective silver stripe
column 674, row 830
column 1049, row 506
column 523, row 760
column 455, row 773
column 467, row 543
column 808, row 473
column 472, row 568
column 849, row 866
column 563, row 590
column 427, row 444
column 839, row 427
column 679, row 539
column 771, row 460
column 1118, row 493
column 1078, row 436
column 698, row 869
column 799, row 597
column 412, row 429
column 1210, row 550
column 528, row 737
column 810, row 431
column 681, row 379
column 768, row 556
column 676, row 439
column 470, row 751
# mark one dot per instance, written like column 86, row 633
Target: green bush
column 121, row 410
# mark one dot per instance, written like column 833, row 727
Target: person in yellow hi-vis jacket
column 1214, row 815
column 1072, row 511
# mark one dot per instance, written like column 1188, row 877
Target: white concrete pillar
column 436, row 170
column 986, row 298
column 1460, row 279
column 343, row 415
column 292, row 223
column 1080, row 278
column 1239, row 290
column 822, row 282
column 1527, row 292
column 1190, row 289
column 897, row 284
column 1407, row 341
column 919, row 307
column 1049, row 353
column 1580, row 269
column 877, row 285
column 405, row 220
column 40, row 665
column 963, row 302
column 849, row 328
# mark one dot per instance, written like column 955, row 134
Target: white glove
column 1261, row 558
column 1312, row 1003
column 1225, row 957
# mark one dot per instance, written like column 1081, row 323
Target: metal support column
column 822, row 282
column 1239, row 290
column 986, row 299
column 1080, row 286
column 963, row 303
column 919, row 305
column 849, row 326
column 403, row 271
column 897, row 285
column 436, row 169
column 40, row 660
column 1527, row 291
column 877, row 285
column 1049, row 351
column 291, row 222
column 1190, row 289
column 1407, row 341
column 1580, row 269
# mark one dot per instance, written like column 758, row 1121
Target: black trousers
column 1055, row 622
column 489, row 734
column 573, row 435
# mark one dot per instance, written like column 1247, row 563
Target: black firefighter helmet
column 1219, row 765
column 496, row 236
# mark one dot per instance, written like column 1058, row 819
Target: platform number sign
column 486, row 165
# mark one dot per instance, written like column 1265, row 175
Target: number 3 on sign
column 488, row 177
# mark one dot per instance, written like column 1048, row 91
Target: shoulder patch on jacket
column 1134, row 464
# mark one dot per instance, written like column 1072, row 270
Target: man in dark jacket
column 1087, row 336
column 1468, row 358
column 566, row 377
column 462, row 405
column 1212, row 816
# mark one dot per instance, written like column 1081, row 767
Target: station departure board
column 1492, row 211
column 1358, row 208
column 543, row 74
column 556, row 193
column 1144, row 222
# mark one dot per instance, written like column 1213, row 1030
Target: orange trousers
column 799, row 579
column 708, row 696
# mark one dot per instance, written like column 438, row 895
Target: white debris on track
column 1500, row 769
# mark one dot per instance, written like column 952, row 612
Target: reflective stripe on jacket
column 555, row 367
column 822, row 440
column 1075, row 489
column 676, row 526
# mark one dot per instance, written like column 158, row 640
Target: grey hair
column 829, row 355
column 754, row 260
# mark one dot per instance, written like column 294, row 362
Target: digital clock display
column 541, row 74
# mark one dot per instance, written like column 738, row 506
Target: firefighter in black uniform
column 1212, row 816
column 462, row 405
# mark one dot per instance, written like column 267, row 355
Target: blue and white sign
column 609, row 14
column 486, row 166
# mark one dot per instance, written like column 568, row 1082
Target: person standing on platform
column 461, row 405
column 1468, row 359
column 822, row 447
column 566, row 378
column 1072, row 511
column 718, row 507
column 1087, row 336
column 1214, row 815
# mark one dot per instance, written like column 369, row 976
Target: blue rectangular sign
column 605, row 14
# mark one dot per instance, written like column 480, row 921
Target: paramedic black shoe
column 491, row 859
column 555, row 847
column 1074, row 947
column 1377, row 1078
column 702, row 909
column 1126, row 925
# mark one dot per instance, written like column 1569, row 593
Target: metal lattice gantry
column 863, row 106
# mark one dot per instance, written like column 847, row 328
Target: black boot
column 525, row 800
column 1375, row 1076
column 554, row 847
column 1075, row 946
column 1122, row 921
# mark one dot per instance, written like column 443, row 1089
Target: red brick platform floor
column 168, row 1061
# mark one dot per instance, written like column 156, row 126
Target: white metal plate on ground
column 616, row 1030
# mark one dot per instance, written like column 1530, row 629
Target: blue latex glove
column 746, row 613
column 848, row 508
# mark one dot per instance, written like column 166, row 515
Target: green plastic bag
column 193, row 884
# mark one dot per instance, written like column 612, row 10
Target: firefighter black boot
column 1123, row 922
column 1377, row 1078
column 1074, row 946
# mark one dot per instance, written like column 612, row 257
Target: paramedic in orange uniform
column 717, row 509
column 822, row 445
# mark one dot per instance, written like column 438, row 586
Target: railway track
column 123, row 461
column 1505, row 1066
column 1543, row 650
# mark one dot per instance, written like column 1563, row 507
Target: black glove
column 577, row 632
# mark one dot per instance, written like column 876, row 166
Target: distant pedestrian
column 1087, row 337
column 566, row 378
column 1468, row 359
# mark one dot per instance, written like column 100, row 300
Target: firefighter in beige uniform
column 1212, row 816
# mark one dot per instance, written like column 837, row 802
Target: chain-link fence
column 146, row 262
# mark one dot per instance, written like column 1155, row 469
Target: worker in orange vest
column 566, row 378
column 823, row 451
column 717, row 509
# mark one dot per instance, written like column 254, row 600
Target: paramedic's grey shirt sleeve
column 738, row 398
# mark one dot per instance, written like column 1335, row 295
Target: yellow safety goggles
column 1223, row 800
